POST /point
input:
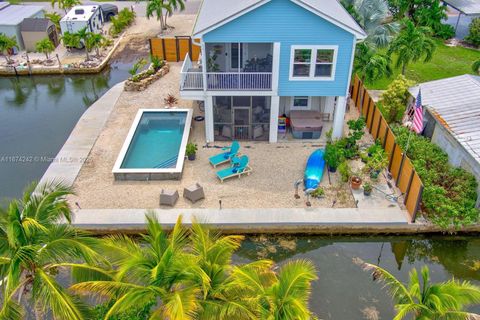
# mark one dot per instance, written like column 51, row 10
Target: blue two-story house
column 265, row 59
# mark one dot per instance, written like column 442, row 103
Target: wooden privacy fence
column 400, row 166
column 174, row 49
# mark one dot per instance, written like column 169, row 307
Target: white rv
column 79, row 17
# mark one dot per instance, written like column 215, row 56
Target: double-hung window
column 313, row 62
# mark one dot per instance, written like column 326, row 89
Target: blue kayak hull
column 314, row 169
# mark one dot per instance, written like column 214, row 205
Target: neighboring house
column 35, row 29
column 79, row 17
column 11, row 17
column 452, row 119
column 262, row 59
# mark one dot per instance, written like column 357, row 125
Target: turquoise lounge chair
column 239, row 167
column 225, row 156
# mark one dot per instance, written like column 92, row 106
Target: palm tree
column 221, row 298
column 424, row 300
column 411, row 44
column 174, row 5
column 6, row 45
column 278, row 296
column 55, row 18
column 46, row 46
column 159, row 270
column 84, row 36
column 372, row 15
column 189, row 275
column 476, row 67
column 71, row 40
column 66, row 4
column 35, row 243
column 95, row 40
column 370, row 65
column 156, row 8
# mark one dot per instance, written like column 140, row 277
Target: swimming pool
column 155, row 145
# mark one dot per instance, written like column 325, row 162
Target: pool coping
column 149, row 173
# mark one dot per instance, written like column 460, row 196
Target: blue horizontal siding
column 285, row 22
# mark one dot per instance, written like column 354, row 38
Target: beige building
column 34, row 30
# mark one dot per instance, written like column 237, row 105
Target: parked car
column 109, row 10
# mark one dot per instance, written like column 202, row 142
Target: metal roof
column 455, row 103
column 214, row 13
column 14, row 14
column 467, row 7
column 35, row 24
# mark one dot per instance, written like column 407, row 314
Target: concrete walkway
column 295, row 220
column 70, row 159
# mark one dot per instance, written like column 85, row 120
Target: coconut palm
column 156, row 8
column 46, row 46
column 71, row 40
column 6, row 45
column 370, row 65
column 372, row 16
column 34, row 244
column 95, row 41
column 66, row 4
column 221, row 297
column 412, row 44
column 159, row 270
column 84, row 36
column 174, row 5
column 422, row 299
column 55, row 18
column 279, row 296
column 476, row 67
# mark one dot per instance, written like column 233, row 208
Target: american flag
column 418, row 115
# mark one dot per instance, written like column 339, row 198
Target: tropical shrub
column 349, row 144
column 124, row 18
column 139, row 64
column 395, row 99
column 450, row 193
column 476, row 67
column 369, row 64
column 444, row 31
column 156, row 62
column 45, row 46
column 345, row 171
column 333, row 155
column 474, row 32
column 6, row 45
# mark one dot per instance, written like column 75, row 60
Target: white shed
column 452, row 119
column 11, row 16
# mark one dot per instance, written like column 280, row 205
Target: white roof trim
column 228, row 19
column 359, row 35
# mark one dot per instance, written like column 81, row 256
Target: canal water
column 344, row 291
column 37, row 114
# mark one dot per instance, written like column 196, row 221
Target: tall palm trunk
column 404, row 68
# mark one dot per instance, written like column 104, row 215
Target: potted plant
column 356, row 182
column 318, row 193
column 191, row 151
column 332, row 157
column 377, row 162
column 367, row 189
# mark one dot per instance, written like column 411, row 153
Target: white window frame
column 293, row 107
column 313, row 63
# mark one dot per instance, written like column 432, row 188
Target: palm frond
column 181, row 304
column 49, row 294
column 398, row 291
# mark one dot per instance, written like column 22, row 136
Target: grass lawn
column 447, row 62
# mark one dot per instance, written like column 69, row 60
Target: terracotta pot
column 356, row 183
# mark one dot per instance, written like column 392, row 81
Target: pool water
column 156, row 142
